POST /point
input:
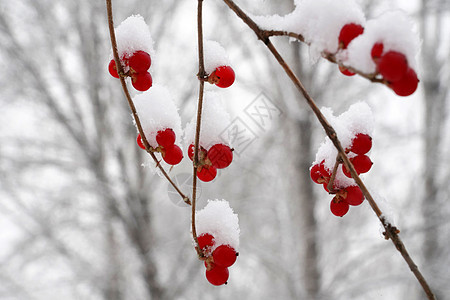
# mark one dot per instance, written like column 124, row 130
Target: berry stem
column 131, row 104
column 195, row 163
column 330, row 185
column 391, row 231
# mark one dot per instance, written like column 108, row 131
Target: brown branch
column 201, row 74
column 391, row 231
column 330, row 185
column 122, row 76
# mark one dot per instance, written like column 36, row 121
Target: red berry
column 112, row 69
column 166, row 138
column 377, row 51
column 220, row 156
column 393, row 66
column 315, row 173
column 348, row 33
column 191, row 151
column 407, row 85
column 205, row 240
column 173, row 155
column 139, row 141
column 141, row 81
column 201, row 153
column 338, row 207
column 225, row 75
column 319, row 174
column 206, row 173
column 346, row 71
column 361, row 144
column 224, row 256
column 354, row 195
column 140, row 61
column 362, row 163
column 217, row 275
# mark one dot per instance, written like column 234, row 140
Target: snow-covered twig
column 122, row 76
column 391, row 231
column 201, row 74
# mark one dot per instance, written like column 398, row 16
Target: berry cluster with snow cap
column 160, row 122
column 384, row 48
column 388, row 48
column 217, row 65
column 354, row 129
column 218, row 238
column 135, row 48
column 215, row 151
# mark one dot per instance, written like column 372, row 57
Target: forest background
column 81, row 218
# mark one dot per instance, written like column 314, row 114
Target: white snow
column 357, row 119
column 157, row 111
column 133, row 34
column 214, row 56
column 215, row 120
column 318, row 21
column 395, row 30
column 218, row 219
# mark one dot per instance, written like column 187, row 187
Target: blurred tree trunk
column 306, row 196
column 436, row 101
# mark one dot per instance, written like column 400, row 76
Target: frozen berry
column 166, row 138
column 377, row 51
column 348, row 33
column 354, row 195
column 361, row 144
column 346, row 71
column 338, row 207
column 172, row 155
column 201, row 154
column 407, row 85
column 205, row 240
column 224, row 256
column 112, row 69
column 319, row 174
column 140, row 61
column 392, row 66
column 206, row 173
column 223, row 76
column 141, row 81
column 362, row 163
column 217, row 275
column 139, row 141
column 220, row 156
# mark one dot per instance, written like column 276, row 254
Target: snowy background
column 81, row 218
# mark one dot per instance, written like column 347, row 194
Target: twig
column 391, row 231
column 330, row 185
column 131, row 104
column 201, row 74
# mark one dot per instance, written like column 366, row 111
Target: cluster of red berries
column 350, row 195
column 219, row 156
column 171, row 153
column 217, row 261
column 137, row 68
column 392, row 65
column 222, row 76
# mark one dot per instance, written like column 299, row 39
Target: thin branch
column 122, row 76
column 391, row 231
column 201, row 74
column 330, row 185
